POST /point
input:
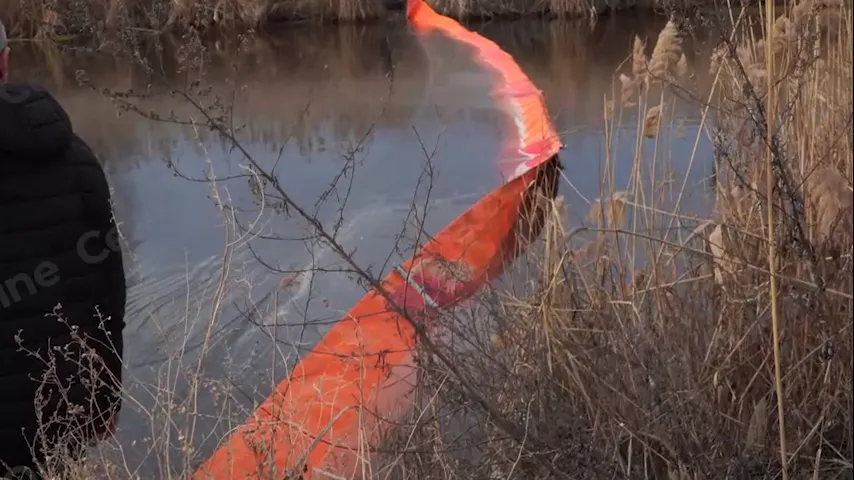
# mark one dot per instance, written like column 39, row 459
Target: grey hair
column 4, row 42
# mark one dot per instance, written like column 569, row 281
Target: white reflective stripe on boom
column 418, row 288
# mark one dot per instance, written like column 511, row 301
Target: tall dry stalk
column 770, row 113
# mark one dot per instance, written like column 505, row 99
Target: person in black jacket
column 62, row 285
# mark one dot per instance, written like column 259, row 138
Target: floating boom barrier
column 322, row 421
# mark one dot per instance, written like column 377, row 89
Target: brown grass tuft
column 627, row 88
column 639, row 59
column 682, row 66
column 609, row 212
column 829, row 194
column 667, row 52
column 652, row 122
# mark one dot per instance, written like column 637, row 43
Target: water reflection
column 370, row 102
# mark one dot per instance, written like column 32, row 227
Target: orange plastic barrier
column 347, row 391
column 536, row 139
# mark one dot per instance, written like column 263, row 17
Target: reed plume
column 667, row 52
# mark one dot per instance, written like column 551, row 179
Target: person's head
column 4, row 54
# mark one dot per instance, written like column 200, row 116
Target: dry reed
column 672, row 366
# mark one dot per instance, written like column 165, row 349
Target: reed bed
column 647, row 341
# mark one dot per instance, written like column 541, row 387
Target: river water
column 416, row 137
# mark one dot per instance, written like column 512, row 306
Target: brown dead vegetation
column 44, row 18
column 664, row 368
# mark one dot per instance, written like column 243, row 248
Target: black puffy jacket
column 62, row 283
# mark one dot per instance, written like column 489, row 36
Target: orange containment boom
column 536, row 140
column 323, row 420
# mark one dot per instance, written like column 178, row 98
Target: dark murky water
column 370, row 102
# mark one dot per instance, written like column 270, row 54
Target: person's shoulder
column 81, row 148
column 22, row 92
column 28, row 93
column 34, row 127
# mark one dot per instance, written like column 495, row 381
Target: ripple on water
column 169, row 309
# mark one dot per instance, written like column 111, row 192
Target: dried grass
column 664, row 367
column 42, row 18
column 667, row 52
column 652, row 122
column 829, row 194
